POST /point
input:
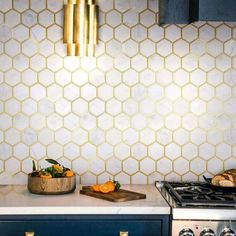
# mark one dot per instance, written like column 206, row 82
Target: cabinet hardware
column 29, row 233
column 124, row 233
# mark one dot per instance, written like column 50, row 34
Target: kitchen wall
column 156, row 103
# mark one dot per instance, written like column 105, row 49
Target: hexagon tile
column 155, row 102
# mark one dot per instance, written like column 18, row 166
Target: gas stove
column 200, row 194
column 199, row 209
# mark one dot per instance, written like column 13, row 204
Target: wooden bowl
column 51, row 186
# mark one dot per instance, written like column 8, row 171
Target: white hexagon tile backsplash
column 155, row 103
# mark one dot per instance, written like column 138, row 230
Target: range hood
column 188, row 11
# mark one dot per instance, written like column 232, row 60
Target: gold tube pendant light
column 68, row 29
column 93, row 26
column 81, row 27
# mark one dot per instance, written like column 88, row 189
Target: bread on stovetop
column 225, row 179
column 231, row 171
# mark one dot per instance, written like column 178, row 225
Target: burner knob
column 207, row 232
column 186, row 232
column 227, row 232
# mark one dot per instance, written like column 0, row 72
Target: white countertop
column 16, row 200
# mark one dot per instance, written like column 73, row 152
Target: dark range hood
column 188, row 11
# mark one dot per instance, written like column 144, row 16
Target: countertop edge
column 84, row 210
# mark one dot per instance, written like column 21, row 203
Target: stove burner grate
column 200, row 194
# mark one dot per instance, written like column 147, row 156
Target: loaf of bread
column 225, row 179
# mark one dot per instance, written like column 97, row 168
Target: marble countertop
column 15, row 199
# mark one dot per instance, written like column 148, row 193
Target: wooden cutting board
column 121, row 196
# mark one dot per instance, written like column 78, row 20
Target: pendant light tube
column 92, row 33
column 81, row 27
column 69, row 28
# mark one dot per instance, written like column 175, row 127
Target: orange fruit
column 46, row 176
column 58, row 168
column 96, row 188
column 69, row 173
column 104, row 188
column 111, row 185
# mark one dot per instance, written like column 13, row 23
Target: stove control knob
column 186, row 232
column 207, row 232
column 227, row 232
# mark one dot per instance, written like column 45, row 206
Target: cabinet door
column 174, row 12
column 83, row 228
column 217, row 10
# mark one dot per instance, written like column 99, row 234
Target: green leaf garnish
column 117, row 185
column 54, row 162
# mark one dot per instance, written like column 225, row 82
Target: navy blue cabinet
column 85, row 225
column 187, row 11
column 215, row 10
column 174, row 12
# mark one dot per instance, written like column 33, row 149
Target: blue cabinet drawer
column 88, row 228
column 85, row 227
